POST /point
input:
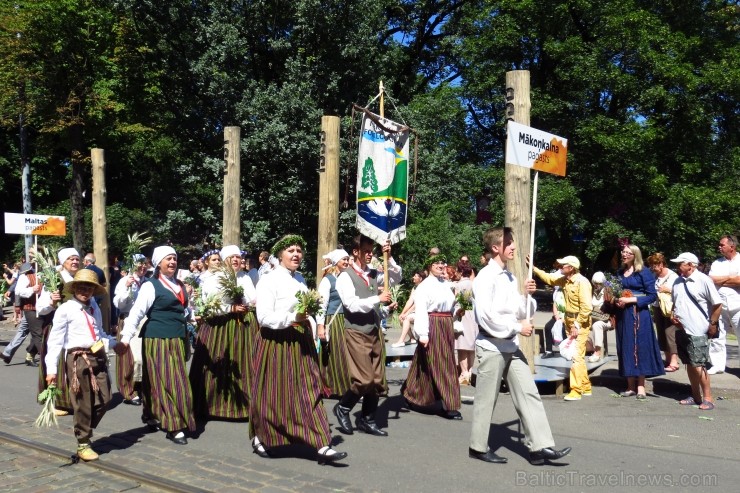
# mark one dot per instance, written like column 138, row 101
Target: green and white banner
column 382, row 179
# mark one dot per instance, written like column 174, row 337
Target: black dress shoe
column 451, row 415
column 30, row 362
column 136, row 401
column 6, row 359
column 540, row 456
column 180, row 441
column 487, row 457
column 342, row 415
column 325, row 456
column 370, row 427
column 151, row 423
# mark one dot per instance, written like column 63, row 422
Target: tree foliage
column 645, row 91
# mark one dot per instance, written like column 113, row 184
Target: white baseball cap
column 686, row 257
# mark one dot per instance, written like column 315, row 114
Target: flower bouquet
column 396, row 295
column 48, row 416
column 613, row 289
column 465, row 299
column 229, row 284
column 48, row 274
column 309, row 302
column 136, row 242
column 207, row 307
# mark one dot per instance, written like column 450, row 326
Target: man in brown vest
column 358, row 288
column 27, row 288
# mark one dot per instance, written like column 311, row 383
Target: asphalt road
column 619, row 444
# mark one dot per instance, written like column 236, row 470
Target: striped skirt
column 63, row 402
column 127, row 373
column 286, row 406
column 433, row 374
column 220, row 370
column 333, row 359
column 164, row 384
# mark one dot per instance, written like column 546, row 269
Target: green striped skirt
column 333, row 359
column 286, row 406
column 220, row 370
column 433, row 373
column 164, row 384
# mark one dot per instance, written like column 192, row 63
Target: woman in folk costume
column 432, row 376
column 285, row 406
column 168, row 399
column 129, row 363
column 221, row 367
column 330, row 326
column 47, row 303
column 211, row 264
column 77, row 334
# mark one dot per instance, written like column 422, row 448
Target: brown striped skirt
column 64, row 401
column 221, row 367
column 126, row 376
column 285, row 405
column 433, row 374
column 333, row 359
column 164, row 384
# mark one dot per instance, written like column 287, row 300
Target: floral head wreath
column 434, row 259
column 285, row 242
column 209, row 253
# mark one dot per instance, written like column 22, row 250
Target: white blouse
column 432, row 295
column 276, row 300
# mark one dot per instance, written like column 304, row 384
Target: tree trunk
column 79, row 163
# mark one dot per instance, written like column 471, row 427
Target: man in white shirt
column 500, row 310
column 696, row 311
column 725, row 273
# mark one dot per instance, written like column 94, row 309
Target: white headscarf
column 65, row 253
column 161, row 252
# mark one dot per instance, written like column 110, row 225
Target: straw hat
column 85, row 276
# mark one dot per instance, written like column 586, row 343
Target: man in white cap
column 725, row 273
column 696, row 310
column 577, row 291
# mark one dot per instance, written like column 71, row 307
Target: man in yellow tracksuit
column 577, row 290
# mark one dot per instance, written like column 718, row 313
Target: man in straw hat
column 77, row 329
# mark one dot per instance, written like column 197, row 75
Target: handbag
column 599, row 316
column 666, row 304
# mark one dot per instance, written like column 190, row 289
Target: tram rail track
column 143, row 478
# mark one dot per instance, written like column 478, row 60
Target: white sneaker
column 398, row 344
column 714, row 371
column 594, row 358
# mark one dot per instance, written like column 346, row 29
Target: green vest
column 362, row 322
column 166, row 317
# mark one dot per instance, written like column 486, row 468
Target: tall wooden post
column 517, row 196
column 100, row 226
column 328, row 190
column 232, row 186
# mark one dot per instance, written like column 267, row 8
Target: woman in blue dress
column 637, row 346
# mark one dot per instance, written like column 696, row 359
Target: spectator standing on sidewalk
column 696, row 312
column 725, row 273
column 577, row 291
